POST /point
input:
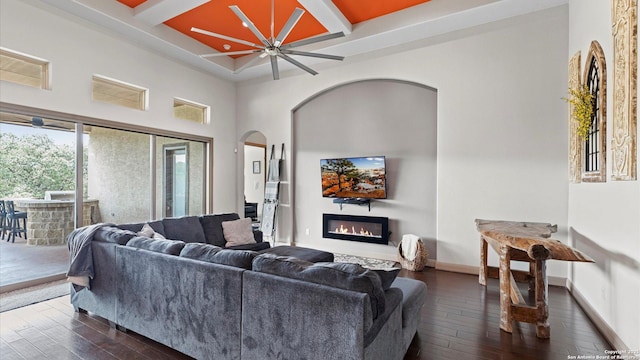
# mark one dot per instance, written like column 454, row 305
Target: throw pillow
column 340, row 275
column 171, row 247
column 387, row 276
column 147, row 231
column 238, row 232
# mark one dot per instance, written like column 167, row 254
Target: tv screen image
column 356, row 177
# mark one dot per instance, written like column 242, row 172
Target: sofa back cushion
column 157, row 226
column 171, row 247
column 186, row 228
column 340, row 275
column 212, row 227
column 215, row 254
column 113, row 234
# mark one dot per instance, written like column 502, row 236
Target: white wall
column 77, row 51
column 502, row 137
column 604, row 218
column 381, row 118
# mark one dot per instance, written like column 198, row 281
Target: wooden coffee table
column 529, row 242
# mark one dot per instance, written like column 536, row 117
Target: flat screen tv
column 356, row 177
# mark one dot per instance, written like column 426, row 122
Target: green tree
column 33, row 164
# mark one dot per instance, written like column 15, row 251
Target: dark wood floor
column 459, row 321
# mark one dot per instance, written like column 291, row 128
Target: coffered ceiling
column 165, row 26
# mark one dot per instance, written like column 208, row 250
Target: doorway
column 255, row 156
column 176, row 180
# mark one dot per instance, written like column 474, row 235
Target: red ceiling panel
column 215, row 16
column 358, row 10
column 132, row 3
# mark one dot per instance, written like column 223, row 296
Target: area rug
column 23, row 297
column 369, row 263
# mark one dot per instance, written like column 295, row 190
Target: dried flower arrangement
column 582, row 101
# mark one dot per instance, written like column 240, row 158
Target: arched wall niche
column 373, row 117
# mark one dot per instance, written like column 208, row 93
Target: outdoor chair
column 14, row 218
column 4, row 223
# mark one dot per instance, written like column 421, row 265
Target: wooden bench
column 529, row 242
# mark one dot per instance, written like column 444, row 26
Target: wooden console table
column 529, row 242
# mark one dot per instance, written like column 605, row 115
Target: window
column 594, row 150
column 23, row 69
column 187, row 110
column 119, row 93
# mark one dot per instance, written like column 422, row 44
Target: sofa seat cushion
column 165, row 246
column 212, row 227
column 302, row 253
column 413, row 296
column 259, row 246
column 345, row 276
column 186, row 228
column 238, row 232
column 136, row 227
column 113, row 234
column 215, row 254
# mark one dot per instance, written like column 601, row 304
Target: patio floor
column 23, row 265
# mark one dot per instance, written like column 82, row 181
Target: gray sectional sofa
column 214, row 303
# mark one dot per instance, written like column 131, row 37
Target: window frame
column 45, row 68
column 142, row 103
column 206, row 110
column 596, row 56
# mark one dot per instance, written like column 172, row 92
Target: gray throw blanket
column 81, row 257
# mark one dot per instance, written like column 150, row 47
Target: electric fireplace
column 371, row 229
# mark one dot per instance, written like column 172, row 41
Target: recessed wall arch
column 391, row 117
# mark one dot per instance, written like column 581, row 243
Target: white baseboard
column 599, row 322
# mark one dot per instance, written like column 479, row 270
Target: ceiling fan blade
column 37, row 122
column 305, row 53
column 313, row 40
column 224, row 37
column 274, row 67
column 242, row 52
column 256, row 58
column 273, row 6
column 293, row 20
column 298, row 64
column 236, row 10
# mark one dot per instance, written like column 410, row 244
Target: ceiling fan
column 273, row 47
column 38, row 122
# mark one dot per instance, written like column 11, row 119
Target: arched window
column 594, row 152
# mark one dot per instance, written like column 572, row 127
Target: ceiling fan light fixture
column 273, row 47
